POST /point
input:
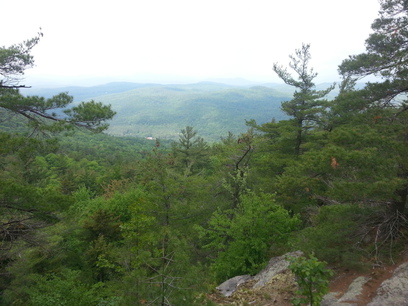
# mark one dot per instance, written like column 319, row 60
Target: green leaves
column 90, row 115
column 15, row 59
column 64, row 288
column 386, row 48
column 38, row 110
column 299, row 63
column 42, row 113
column 307, row 107
column 243, row 237
column 191, row 151
column 312, row 278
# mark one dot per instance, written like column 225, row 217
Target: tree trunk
column 399, row 204
column 299, row 137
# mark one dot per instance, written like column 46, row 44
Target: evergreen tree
column 386, row 47
column 41, row 112
column 14, row 60
column 191, row 151
column 386, row 102
column 307, row 106
column 30, row 198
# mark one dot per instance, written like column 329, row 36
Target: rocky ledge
column 276, row 284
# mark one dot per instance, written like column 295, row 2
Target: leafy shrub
column 60, row 289
column 312, row 278
column 244, row 237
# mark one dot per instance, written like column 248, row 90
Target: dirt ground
column 377, row 275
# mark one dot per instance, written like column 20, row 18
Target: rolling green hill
column 212, row 109
column 161, row 111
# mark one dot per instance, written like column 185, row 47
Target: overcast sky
column 183, row 40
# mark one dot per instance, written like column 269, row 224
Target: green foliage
column 90, row 115
column 40, row 112
column 307, row 107
column 63, row 289
column 191, row 152
column 385, row 102
column 385, row 54
column 331, row 233
column 115, row 208
column 15, row 59
column 103, row 223
column 313, row 279
column 99, row 220
column 161, row 111
column 245, row 237
column 40, row 115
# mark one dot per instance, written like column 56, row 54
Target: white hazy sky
column 184, row 40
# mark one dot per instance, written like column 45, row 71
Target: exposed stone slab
column 393, row 291
column 228, row 287
column 276, row 265
column 350, row 297
column 354, row 290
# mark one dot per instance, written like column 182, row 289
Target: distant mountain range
column 161, row 111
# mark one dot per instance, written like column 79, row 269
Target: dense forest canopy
column 92, row 219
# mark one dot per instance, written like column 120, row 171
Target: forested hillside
column 161, row 111
column 88, row 218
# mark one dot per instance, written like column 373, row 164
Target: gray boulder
column 351, row 297
column 228, row 287
column 354, row 290
column 393, row 291
column 276, row 266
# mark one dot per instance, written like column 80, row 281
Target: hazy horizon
column 88, row 42
column 84, row 81
column 60, row 81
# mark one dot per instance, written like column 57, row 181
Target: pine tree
column 386, row 101
column 191, row 151
column 307, row 106
column 40, row 112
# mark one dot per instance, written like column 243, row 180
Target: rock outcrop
column 393, row 291
column 228, row 287
column 350, row 297
column 275, row 285
column 276, row 266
